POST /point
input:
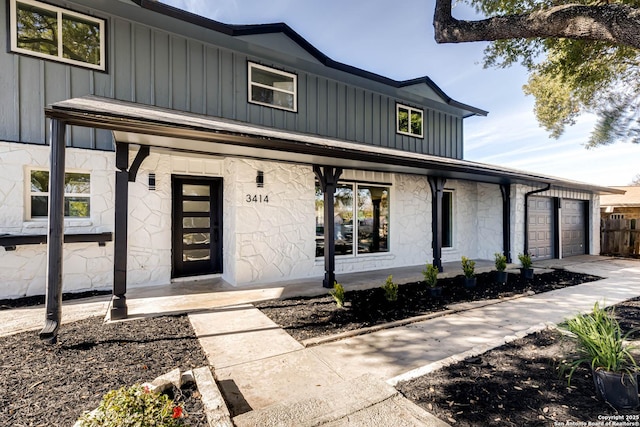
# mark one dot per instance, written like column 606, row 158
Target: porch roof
column 188, row 132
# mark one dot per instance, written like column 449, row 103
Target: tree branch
column 614, row 23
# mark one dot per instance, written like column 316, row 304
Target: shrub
column 338, row 294
column 431, row 275
column 390, row 290
column 468, row 267
column 525, row 260
column 134, row 406
column 600, row 341
column 501, row 261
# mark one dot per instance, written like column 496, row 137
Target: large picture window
column 361, row 219
column 50, row 32
column 77, row 194
column 409, row 121
column 273, row 88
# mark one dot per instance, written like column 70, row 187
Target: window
column 447, row 219
column 409, row 120
column 77, row 189
column 50, row 32
column 361, row 219
column 273, row 88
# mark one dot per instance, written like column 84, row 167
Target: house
column 145, row 144
column 621, row 206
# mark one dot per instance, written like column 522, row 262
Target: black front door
column 197, row 226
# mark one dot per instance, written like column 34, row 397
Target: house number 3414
column 257, row 198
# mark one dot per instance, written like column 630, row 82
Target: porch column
column 119, row 299
column 328, row 177
column 124, row 175
column 437, row 189
column 505, row 189
column 55, row 238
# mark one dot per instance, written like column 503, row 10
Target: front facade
column 192, row 148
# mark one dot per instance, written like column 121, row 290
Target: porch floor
column 205, row 293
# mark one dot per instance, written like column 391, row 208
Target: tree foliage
column 583, row 56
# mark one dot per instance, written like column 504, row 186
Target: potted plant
column 526, row 271
column 468, row 267
column 602, row 345
column 431, row 279
column 501, row 266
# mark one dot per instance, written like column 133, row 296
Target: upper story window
column 273, row 88
column 409, row 121
column 50, row 32
column 77, row 194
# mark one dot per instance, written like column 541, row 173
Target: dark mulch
column 53, row 385
column 520, row 384
column 305, row 318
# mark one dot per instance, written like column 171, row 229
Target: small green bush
column 134, row 406
column 468, row 267
column 390, row 290
column 600, row 342
column 501, row 261
column 525, row 260
column 338, row 294
column 431, row 275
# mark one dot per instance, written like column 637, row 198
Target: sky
column 397, row 42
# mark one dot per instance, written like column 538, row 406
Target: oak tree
column 583, row 56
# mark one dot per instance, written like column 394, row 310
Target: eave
column 189, row 132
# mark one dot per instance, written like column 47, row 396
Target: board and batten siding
column 155, row 67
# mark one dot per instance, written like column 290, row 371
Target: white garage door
column 573, row 228
column 541, row 227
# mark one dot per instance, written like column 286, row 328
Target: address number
column 257, row 198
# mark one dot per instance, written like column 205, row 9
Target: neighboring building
column 195, row 147
column 621, row 206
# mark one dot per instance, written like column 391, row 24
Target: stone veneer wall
column 262, row 241
column 86, row 265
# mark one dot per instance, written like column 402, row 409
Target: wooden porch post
column 119, row 299
column 328, row 177
column 505, row 189
column 437, row 189
column 55, row 238
column 124, row 175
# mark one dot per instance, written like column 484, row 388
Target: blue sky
column 397, row 42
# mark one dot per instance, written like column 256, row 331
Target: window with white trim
column 50, row 32
column 409, row 121
column 77, row 194
column 361, row 219
column 273, row 88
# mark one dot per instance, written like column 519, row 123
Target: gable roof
column 631, row 197
column 259, row 29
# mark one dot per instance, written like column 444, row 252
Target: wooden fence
column 620, row 237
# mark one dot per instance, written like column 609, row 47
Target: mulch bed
column 311, row 317
column 46, row 385
column 520, row 384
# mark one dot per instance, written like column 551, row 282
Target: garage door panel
column 573, row 228
column 541, row 227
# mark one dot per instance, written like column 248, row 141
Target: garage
column 573, row 227
column 541, row 240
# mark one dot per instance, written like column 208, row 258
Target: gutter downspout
column 526, row 214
